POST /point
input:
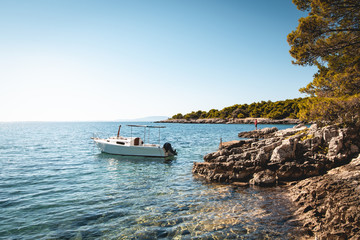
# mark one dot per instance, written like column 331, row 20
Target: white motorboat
column 134, row 146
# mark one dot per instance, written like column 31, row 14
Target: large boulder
column 329, row 132
column 335, row 145
column 284, row 152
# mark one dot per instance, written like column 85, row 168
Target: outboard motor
column 169, row 150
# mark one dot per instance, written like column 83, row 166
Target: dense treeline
column 274, row 110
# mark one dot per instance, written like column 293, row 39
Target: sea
column 55, row 184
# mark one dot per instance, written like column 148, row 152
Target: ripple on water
column 56, row 185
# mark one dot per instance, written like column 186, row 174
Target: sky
column 102, row 60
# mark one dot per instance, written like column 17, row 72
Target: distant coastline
column 233, row 121
column 144, row 119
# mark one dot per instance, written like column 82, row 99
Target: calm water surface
column 55, row 184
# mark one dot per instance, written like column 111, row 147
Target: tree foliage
column 333, row 110
column 329, row 38
column 274, row 110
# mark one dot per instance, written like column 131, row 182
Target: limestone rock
column 327, row 198
column 289, row 131
column 262, row 157
column 292, row 154
column 285, row 151
column 329, row 205
column 289, row 172
column 335, row 145
column 260, row 133
column 329, row 132
column 234, row 144
column 264, row 178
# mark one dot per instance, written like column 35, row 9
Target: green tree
column 329, row 38
column 195, row 115
column 213, row 113
column 275, row 114
column 178, row 116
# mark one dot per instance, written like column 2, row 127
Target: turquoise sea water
column 55, row 184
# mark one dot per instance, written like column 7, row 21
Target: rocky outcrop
column 234, row 121
column 272, row 156
column 327, row 193
column 261, row 133
column 329, row 205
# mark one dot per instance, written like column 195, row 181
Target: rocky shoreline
column 233, row 121
column 327, row 196
column 329, row 205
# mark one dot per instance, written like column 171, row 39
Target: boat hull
column 143, row 151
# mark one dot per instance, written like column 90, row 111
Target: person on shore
column 255, row 124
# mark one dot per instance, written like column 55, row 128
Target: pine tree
column 329, row 38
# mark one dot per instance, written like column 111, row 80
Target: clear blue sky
column 65, row 60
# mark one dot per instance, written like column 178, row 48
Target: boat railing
column 95, row 136
column 99, row 135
